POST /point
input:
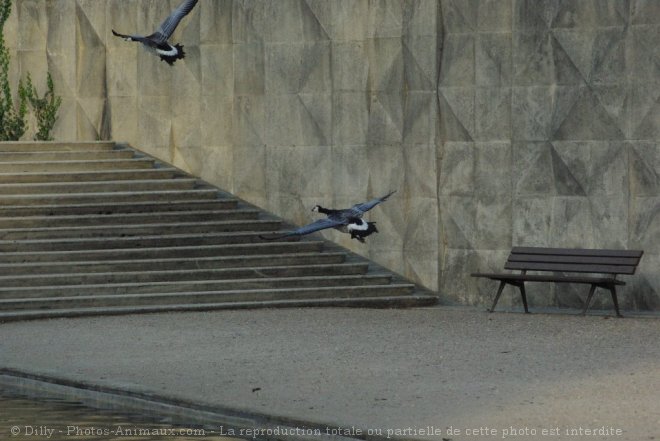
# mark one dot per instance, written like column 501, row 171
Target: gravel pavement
column 414, row 373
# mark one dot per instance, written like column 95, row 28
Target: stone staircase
column 99, row 228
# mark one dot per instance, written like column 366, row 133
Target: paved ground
column 402, row 370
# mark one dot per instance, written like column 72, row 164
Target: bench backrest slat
column 574, row 260
column 577, row 252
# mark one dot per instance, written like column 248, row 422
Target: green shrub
column 45, row 109
column 12, row 121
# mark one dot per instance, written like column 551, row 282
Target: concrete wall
column 499, row 122
column 550, row 130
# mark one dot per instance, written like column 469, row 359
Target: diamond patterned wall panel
column 583, row 123
column 500, row 123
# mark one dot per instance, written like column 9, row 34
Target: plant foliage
column 45, row 109
column 12, row 121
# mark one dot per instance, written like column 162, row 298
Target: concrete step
column 98, row 186
column 74, row 166
column 128, row 196
column 233, row 235
column 54, row 155
column 108, row 208
column 155, row 217
column 100, row 228
column 384, row 301
column 210, row 296
column 172, row 275
column 106, row 289
column 112, row 232
column 97, row 175
column 39, row 146
column 190, row 263
column 164, row 252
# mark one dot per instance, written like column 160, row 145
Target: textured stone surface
column 576, row 84
column 499, row 122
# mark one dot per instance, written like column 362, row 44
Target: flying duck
column 348, row 220
column 157, row 42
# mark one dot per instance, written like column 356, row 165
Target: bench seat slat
column 558, row 278
column 576, row 252
column 571, row 267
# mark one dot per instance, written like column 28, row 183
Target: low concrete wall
column 500, row 123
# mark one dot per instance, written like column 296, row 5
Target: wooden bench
column 604, row 265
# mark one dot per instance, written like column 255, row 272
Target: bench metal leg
column 615, row 301
column 612, row 289
column 497, row 296
column 591, row 294
column 523, row 294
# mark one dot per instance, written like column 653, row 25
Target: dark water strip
column 23, row 418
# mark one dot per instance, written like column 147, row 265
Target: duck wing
column 167, row 28
column 359, row 209
column 318, row 225
column 127, row 37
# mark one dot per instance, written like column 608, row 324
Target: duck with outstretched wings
column 157, row 42
column 348, row 220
